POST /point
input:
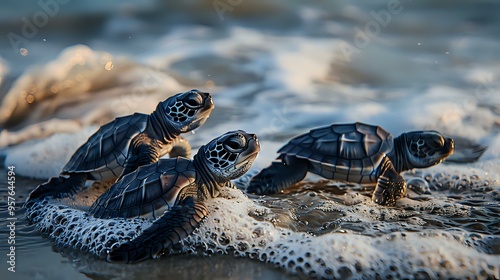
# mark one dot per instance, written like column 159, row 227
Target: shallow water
column 36, row 258
column 429, row 66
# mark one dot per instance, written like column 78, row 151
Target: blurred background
column 275, row 68
column 425, row 64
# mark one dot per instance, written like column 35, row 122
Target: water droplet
column 23, row 51
column 30, row 98
column 54, row 89
column 209, row 84
column 109, row 65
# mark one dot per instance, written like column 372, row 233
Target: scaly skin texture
column 126, row 143
column 357, row 153
column 172, row 193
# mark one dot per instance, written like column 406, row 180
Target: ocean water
column 277, row 69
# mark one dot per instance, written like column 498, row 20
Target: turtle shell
column 345, row 152
column 149, row 191
column 104, row 154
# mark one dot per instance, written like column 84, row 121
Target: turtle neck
column 207, row 177
column 399, row 154
column 159, row 127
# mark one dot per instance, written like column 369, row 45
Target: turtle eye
column 235, row 143
column 435, row 141
column 193, row 101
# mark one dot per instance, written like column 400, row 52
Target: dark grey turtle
column 172, row 192
column 358, row 153
column 124, row 144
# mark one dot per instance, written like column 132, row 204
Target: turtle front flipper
column 176, row 224
column 180, row 148
column 144, row 154
column 278, row 176
column 59, row 187
column 390, row 185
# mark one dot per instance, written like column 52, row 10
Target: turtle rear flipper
column 390, row 185
column 176, row 224
column 59, row 187
column 278, row 176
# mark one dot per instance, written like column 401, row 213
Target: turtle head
column 427, row 148
column 188, row 110
column 230, row 156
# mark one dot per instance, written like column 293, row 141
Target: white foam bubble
column 231, row 228
column 84, row 86
column 72, row 228
column 46, row 158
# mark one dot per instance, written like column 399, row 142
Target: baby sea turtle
column 172, row 192
column 358, row 153
column 124, row 144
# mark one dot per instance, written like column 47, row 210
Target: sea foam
column 231, row 228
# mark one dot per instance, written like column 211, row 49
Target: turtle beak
column 205, row 111
column 208, row 103
column 254, row 138
column 253, row 143
column 253, row 148
column 449, row 146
